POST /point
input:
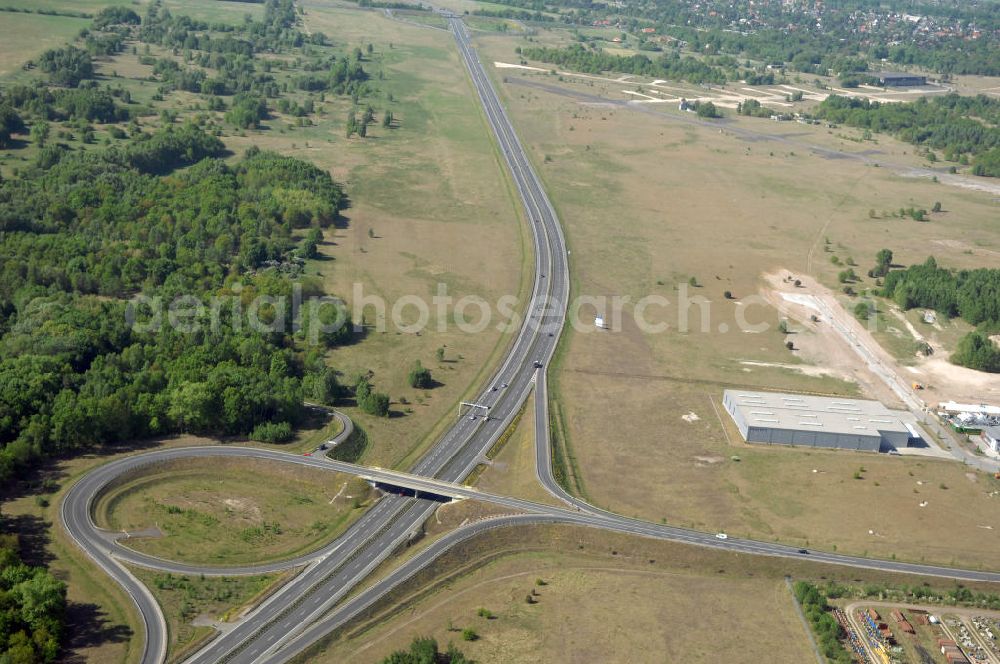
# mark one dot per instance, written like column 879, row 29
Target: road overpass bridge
column 429, row 487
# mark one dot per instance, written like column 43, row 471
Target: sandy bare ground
column 816, row 342
column 827, row 348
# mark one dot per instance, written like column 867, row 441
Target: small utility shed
column 810, row 421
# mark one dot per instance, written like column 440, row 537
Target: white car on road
column 721, row 536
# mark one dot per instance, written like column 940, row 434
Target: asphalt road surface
column 303, row 610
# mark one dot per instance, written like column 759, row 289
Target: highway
column 395, row 519
column 310, row 605
column 336, row 569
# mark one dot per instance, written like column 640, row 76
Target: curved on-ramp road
column 309, row 606
column 76, row 513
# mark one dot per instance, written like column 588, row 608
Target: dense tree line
column 960, row 127
column 974, row 295
column 83, row 235
column 669, row 65
column 826, row 628
column 32, row 609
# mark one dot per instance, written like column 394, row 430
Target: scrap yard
column 884, row 633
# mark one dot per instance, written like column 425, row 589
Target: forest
column 32, row 608
column 98, row 227
column 963, row 129
column 164, row 213
column 973, row 295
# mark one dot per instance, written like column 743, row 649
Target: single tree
column 420, row 377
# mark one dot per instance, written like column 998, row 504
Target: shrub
column 272, row 432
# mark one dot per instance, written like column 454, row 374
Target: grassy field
column 215, row 11
column 192, row 604
column 25, row 36
column 512, row 469
column 642, row 599
column 429, row 209
column 234, row 511
column 622, row 604
column 651, row 199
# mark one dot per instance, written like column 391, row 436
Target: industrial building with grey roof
column 809, row 421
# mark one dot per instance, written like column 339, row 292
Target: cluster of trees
column 67, row 66
column 226, row 65
column 247, row 111
column 360, row 125
column 826, row 628
column 960, row 127
column 425, row 650
column 98, row 226
column 110, row 17
column 276, row 31
column 32, row 609
column 753, row 108
column 974, row 295
column 10, row 123
column 707, row 110
column 977, row 351
column 370, row 401
column 87, row 102
column 420, row 377
column 883, row 263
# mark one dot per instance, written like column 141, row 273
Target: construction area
column 969, row 417
column 886, row 634
column 810, row 421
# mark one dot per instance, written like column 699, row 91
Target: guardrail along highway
column 310, row 605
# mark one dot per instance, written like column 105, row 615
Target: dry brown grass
column 433, row 194
column 512, row 471
column 649, row 201
column 191, row 605
column 25, row 36
column 234, row 512
column 609, row 598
